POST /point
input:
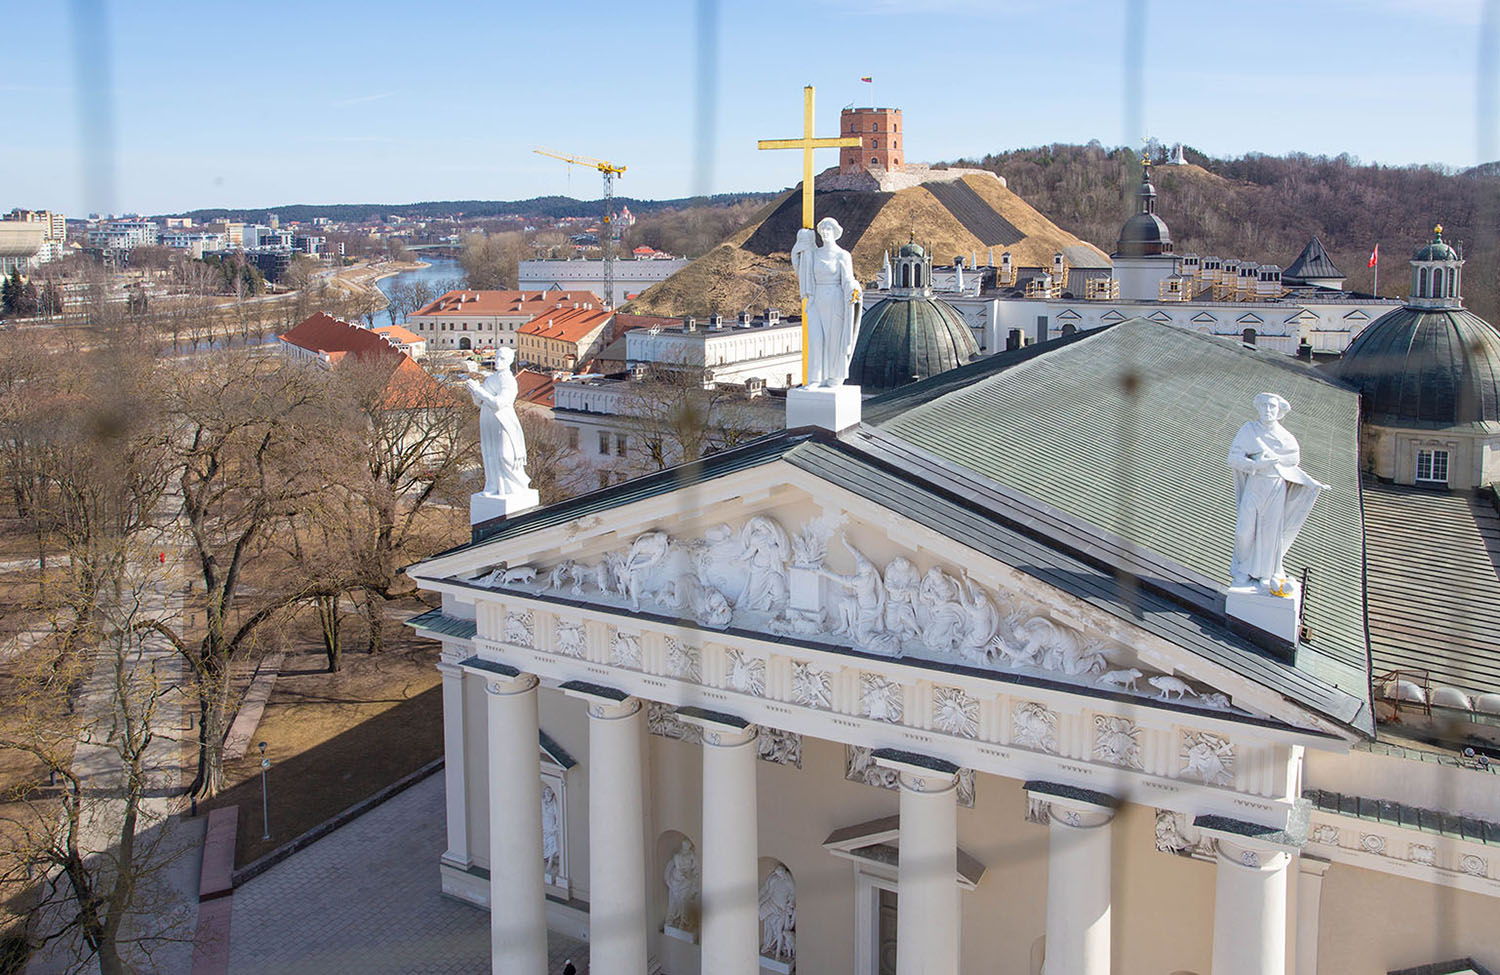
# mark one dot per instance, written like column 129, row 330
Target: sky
column 157, row 107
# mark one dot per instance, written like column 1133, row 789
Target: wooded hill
column 1264, row 208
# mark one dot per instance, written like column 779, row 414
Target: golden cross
column 807, row 144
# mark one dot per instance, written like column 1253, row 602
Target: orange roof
column 409, row 385
column 398, row 334
column 567, row 325
column 535, row 387
column 528, row 303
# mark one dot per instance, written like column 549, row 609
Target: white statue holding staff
column 778, row 915
column 501, row 443
column 1273, row 495
column 825, row 278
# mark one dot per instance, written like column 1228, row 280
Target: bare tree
column 677, row 414
column 556, row 469
column 87, row 841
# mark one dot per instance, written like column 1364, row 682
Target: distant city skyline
column 388, row 103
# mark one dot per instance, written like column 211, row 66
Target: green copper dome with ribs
column 904, row 339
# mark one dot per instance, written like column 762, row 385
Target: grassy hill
column 1264, row 208
column 969, row 216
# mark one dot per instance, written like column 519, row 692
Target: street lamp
column 265, row 803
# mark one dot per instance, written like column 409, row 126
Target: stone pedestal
column 830, row 407
column 483, row 507
column 1277, row 615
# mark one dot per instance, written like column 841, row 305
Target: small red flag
column 1374, row 256
column 868, row 79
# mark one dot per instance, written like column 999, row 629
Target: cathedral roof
column 1313, row 262
column 1144, row 234
column 1436, row 249
column 1426, row 367
column 906, row 338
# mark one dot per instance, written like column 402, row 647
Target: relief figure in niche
column 682, row 879
column 903, row 583
column 778, row 915
column 767, row 550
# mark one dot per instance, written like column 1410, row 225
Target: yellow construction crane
column 611, row 233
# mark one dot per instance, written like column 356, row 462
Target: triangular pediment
column 1160, row 316
column 1356, row 316
column 1204, row 318
column 1112, row 315
column 1303, row 317
column 1069, row 315
column 779, row 554
column 1249, row 318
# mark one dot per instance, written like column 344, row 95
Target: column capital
column 604, row 702
column 1253, row 846
column 1067, row 805
column 719, row 729
column 1313, row 866
column 918, row 773
column 501, row 680
column 1251, row 856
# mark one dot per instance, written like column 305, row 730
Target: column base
column 830, row 407
column 483, row 507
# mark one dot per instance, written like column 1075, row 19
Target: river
column 442, row 271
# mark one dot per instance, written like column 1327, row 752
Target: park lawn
column 335, row 739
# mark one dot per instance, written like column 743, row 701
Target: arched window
column 916, row 276
column 1423, row 284
column 906, row 275
column 877, row 126
column 874, row 161
column 1248, row 336
column 1069, row 329
column 874, row 143
column 463, row 343
column 1453, row 282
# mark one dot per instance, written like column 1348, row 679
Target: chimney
column 690, row 324
column 745, row 319
column 716, row 321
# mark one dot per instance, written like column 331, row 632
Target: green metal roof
column 904, row 339
column 1127, row 430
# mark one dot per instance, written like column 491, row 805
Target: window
column 1423, row 285
column 1248, row 336
column 877, row 126
column 1452, row 282
column 874, row 143
column 1432, row 467
column 603, row 442
column 573, row 437
column 621, row 442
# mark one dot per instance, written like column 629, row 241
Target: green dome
column 1437, row 250
column 904, row 339
column 912, row 249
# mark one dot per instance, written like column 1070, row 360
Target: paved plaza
column 366, row 899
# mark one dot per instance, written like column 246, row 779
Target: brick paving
column 366, row 899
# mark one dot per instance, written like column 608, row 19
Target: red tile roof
column 528, row 303
column 566, row 325
column 409, row 386
column 535, row 387
column 398, row 334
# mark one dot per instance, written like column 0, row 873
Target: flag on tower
column 867, row 79
column 1374, row 257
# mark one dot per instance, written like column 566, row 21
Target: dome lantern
column 1436, row 275
column 1144, row 234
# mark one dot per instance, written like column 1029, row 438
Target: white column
column 457, row 853
column 927, row 878
column 731, row 891
column 1250, row 910
column 617, row 839
column 1310, row 871
column 518, row 919
column 1079, row 844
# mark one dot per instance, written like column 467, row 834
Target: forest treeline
column 1265, row 208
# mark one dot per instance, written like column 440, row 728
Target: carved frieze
column 744, row 575
column 747, row 673
column 780, row 747
column 1207, row 757
column 1038, row 811
column 661, row 719
column 1034, row 726
column 570, row 639
column 1473, row 865
column 1423, row 854
column 1176, row 834
column 1372, row 843
column 684, row 661
column 518, row 628
column 811, row 687
column 1117, row 741
column 880, row 698
column 625, row 650
column 955, row 712
column 1326, row 835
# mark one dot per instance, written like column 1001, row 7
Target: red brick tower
column 879, row 131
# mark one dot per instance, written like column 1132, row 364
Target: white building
column 746, row 348
column 951, row 692
column 631, row 276
column 464, row 320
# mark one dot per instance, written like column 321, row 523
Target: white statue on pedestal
column 1273, row 496
column 778, row 915
column 825, row 278
column 682, row 888
column 501, row 443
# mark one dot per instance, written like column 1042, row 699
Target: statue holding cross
column 826, row 281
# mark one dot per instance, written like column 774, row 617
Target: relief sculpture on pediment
column 759, row 577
